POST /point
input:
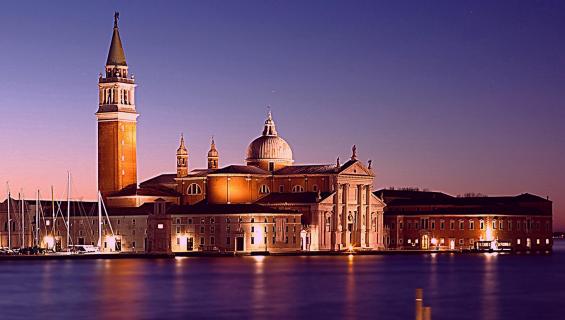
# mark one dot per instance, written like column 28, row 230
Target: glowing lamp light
column 49, row 242
column 350, row 248
column 488, row 234
column 111, row 241
column 434, row 241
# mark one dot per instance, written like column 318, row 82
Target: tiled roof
column 145, row 191
column 297, row 197
column 165, row 178
column 307, row 169
column 239, row 169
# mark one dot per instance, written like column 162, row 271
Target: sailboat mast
column 99, row 220
column 37, row 219
column 68, row 209
column 9, row 222
column 22, row 212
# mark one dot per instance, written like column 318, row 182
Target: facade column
column 345, row 216
column 337, row 226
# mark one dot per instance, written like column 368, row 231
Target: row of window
column 195, row 189
column 212, row 241
column 462, row 241
column 228, row 220
column 425, row 225
column 228, row 229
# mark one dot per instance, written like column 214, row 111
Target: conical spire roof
column 116, row 56
column 182, row 148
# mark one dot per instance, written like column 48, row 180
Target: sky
column 454, row 96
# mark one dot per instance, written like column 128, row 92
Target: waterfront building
column 436, row 221
column 270, row 203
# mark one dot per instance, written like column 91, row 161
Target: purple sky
column 456, row 96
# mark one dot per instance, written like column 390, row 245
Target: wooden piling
column 419, row 304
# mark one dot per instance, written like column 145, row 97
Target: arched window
column 315, row 188
column 193, row 189
column 264, row 189
column 297, row 188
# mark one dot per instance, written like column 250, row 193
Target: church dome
column 269, row 148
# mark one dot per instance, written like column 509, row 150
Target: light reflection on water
column 482, row 286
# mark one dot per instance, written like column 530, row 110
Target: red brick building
column 437, row 221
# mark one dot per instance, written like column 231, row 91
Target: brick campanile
column 117, row 121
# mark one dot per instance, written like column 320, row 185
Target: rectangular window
column 509, row 225
column 494, row 225
column 265, row 240
column 212, row 240
column 433, row 224
column 252, row 240
column 451, row 225
column 281, row 188
column 252, row 229
column 501, row 225
column 201, row 241
column 400, row 225
column 228, row 240
column 160, row 226
column 201, row 229
column 189, row 221
column 178, row 230
column 441, row 225
column 471, row 225
column 461, row 225
column 461, row 241
column 482, row 225
column 178, row 241
column 133, row 244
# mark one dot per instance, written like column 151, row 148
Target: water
column 482, row 286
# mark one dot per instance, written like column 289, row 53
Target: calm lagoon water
column 481, row 286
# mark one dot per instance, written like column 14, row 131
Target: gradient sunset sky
column 455, row 96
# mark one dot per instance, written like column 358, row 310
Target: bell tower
column 117, row 121
column 213, row 157
column 182, row 159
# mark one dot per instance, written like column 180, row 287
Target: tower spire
column 116, row 56
column 213, row 156
column 182, row 159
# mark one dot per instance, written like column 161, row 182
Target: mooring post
column 427, row 313
column 419, row 303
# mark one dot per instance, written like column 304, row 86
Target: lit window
column 160, row 226
column 546, row 241
column 193, row 189
column 518, row 241
column 264, row 189
column 297, row 188
column 537, row 241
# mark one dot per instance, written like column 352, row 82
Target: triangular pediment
column 355, row 167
